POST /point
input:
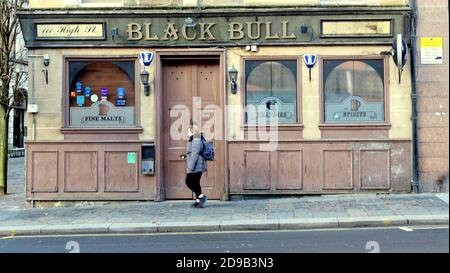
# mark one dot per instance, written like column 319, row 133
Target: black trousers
column 193, row 183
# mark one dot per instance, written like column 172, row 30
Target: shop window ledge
column 281, row 127
column 108, row 130
column 365, row 126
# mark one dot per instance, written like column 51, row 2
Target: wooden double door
column 191, row 93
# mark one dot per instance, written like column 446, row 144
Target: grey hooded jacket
column 194, row 161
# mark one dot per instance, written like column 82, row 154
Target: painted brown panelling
column 374, row 169
column 120, row 175
column 401, row 167
column 257, row 170
column 81, row 171
column 338, row 169
column 86, row 171
column 354, row 134
column 324, row 167
column 289, row 170
column 44, row 171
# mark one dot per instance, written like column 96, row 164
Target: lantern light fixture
column 232, row 73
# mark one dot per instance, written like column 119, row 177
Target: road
column 384, row 240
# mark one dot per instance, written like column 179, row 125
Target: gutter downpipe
column 415, row 152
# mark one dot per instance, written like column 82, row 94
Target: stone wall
column 433, row 95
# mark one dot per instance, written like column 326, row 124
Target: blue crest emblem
column 147, row 58
column 310, row 60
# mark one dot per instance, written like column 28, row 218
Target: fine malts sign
column 102, row 113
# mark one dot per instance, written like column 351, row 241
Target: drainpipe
column 415, row 152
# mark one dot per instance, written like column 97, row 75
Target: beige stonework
column 38, row 4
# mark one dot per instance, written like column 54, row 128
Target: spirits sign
column 70, row 31
column 354, row 109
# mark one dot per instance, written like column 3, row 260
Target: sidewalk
column 357, row 210
column 328, row 211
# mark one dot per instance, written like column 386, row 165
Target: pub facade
column 297, row 99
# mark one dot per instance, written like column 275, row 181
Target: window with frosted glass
column 353, row 91
column 271, row 91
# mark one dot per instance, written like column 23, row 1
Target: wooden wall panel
column 44, row 171
column 121, row 176
column 326, row 167
column 257, row 170
column 337, row 169
column 374, row 168
column 290, row 170
column 80, row 171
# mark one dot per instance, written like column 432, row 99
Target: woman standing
column 195, row 165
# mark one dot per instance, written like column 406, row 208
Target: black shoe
column 195, row 204
column 203, row 201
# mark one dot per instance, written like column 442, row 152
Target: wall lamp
column 189, row 22
column 304, row 29
column 144, row 79
column 232, row 73
column 45, row 62
column 114, row 33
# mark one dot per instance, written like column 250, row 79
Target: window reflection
column 354, row 90
column 271, row 83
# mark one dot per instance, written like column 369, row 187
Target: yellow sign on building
column 431, row 50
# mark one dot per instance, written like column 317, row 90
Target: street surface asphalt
column 418, row 239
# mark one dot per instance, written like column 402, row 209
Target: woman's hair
column 194, row 129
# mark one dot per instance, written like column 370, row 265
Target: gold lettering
column 206, row 31
column 170, row 31
column 134, row 31
column 185, row 34
column 285, row 30
column 250, row 30
column 148, row 33
column 269, row 34
column 232, row 31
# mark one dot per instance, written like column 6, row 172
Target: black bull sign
column 171, row 28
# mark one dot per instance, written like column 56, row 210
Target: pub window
column 271, row 91
column 102, row 93
column 354, row 90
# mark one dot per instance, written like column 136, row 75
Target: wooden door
column 191, row 92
